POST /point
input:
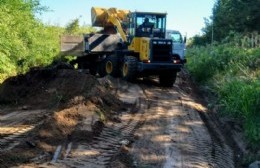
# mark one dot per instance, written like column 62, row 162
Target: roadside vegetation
column 232, row 75
column 226, row 62
column 25, row 41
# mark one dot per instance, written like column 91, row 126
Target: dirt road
column 157, row 127
column 175, row 135
column 171, row 134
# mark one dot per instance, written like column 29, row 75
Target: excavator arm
column 110, row 17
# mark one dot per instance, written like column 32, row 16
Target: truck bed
column 87, row 44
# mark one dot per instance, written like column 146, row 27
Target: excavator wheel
column 167, row 79
column 129, row 68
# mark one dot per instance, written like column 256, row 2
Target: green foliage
column 25, row 42
column 85, row 29
column 205, row 62
column 233, row 74
column 73, row 28
column 229, row 16
column 241, row 99
column 235, row 15
column 7, row 67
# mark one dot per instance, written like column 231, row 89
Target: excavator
column 130, row 45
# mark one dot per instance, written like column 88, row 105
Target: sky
column 187, row 16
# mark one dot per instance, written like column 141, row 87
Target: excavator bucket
column 99, row 16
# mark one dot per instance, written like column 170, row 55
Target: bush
column 241, row 99
column 73, row 28
column 233, row 74
column 25, row 42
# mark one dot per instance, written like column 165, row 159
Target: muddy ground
column 56, row 117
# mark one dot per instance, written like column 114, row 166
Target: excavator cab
column 147, row 24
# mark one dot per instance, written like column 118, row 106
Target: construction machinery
column 131, row 45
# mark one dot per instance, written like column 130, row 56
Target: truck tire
column 109, row 66
column 112, row 66
column 167, row 79
column 129, row 68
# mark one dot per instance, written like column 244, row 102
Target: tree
column 24, row 40
column 72, row 27
column 239, row 16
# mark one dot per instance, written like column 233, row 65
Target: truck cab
column 147, row 24
column 178, row 45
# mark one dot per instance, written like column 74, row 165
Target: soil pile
column 73, row 107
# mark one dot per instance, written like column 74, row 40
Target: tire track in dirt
column 199, row 144
column 13, row 129
column 173, row 129
column 114, row 135
column 210, row 143
column 14, row 137
column 207, row 146
column 175, row 134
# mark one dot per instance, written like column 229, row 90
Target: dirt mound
column 62, row 106
column 48, row 86
column 53, row 87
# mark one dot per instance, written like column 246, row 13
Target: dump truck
column 130, row 45
column 178, row 44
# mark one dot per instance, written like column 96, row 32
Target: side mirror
column 185, row 39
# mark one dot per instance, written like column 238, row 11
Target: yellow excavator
column 130, row 45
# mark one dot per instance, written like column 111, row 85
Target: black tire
column 112, row 66
column 167, row 79
column 129, row 68
column 109, row 66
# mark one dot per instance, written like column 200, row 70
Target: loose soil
column 108, row 122
column 174, row 134
column 48, row 107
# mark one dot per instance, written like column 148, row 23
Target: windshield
column 175, row 36
column 150, row 25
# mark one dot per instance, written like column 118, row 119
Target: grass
column 232, row 73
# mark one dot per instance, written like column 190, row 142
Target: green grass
column 233, row 74
column 241, row 99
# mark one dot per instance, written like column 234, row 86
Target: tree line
column 230, row 18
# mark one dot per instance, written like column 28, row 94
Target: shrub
column 233, row 74
column 25, row 42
